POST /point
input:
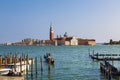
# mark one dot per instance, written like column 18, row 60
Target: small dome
column 65, row 35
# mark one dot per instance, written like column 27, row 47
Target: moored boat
column 48, row 58
column 20, row 67
column 4, row 71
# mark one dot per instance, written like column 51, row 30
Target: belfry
column 51, row 32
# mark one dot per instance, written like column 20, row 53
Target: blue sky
column 91, row 19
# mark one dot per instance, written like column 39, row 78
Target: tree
column 111, row 41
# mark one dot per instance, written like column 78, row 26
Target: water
column 71, row 62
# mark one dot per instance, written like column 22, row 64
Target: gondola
column 48, row 58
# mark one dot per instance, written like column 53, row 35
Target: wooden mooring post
column 32, row 68
column 27, row 63
column 93, row 54
column 36, row 65
column 112, row 62
column 105, row 70
column 41, row 64
column 20, row 64
column 15, row 63
column 109, row 73
column 49, row 74
column 49, row 63
column 0, row 61
column 89, row 52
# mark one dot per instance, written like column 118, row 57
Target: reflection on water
column 41, row 75
column 49, row 75
column 71, row 62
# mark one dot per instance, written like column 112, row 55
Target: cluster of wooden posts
column 34, row 67
column 108, row 70
column 23, row 59
column 37, row 60
column 14, row 58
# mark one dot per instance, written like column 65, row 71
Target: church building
column 65, row 40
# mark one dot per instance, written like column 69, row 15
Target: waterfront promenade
column 11, row 78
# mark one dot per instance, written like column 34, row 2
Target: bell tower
column 51, row 32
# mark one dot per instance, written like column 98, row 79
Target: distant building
column 22, row 43
column 111, row 42
column 65, row 40
column 86, row 41
column 48, row 43
column 27, row 41
column 61, row 40
column 8, row 43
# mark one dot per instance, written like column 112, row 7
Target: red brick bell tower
column 51, row 33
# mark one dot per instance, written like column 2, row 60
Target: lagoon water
column 71, row 62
